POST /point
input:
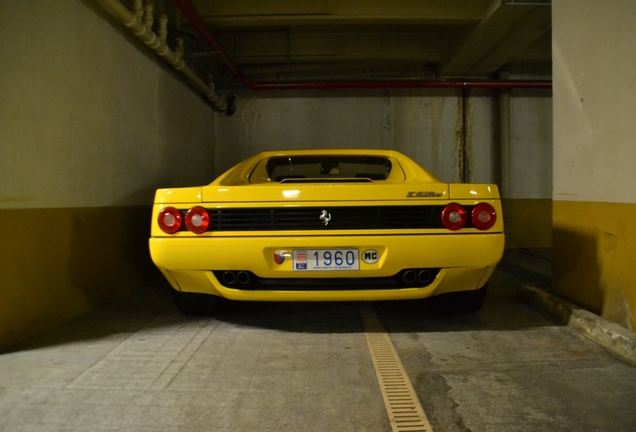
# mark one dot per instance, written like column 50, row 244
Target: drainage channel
column 402, row 405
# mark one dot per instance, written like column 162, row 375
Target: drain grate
column 402, row 405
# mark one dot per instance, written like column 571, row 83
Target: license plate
column 325, row 259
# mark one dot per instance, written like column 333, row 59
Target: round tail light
column 169, row 220
column 197, row 220
column 454, row 216
column 483, row 216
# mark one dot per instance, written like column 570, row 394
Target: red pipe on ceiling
column 190, row 12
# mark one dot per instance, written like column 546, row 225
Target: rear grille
column 341, row 218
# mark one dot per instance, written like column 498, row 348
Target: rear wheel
column 462, row 301
column 197, row 304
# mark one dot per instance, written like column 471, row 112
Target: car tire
column 197, row 304
column 462, row 301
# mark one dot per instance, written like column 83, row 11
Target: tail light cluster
column 483, row 216
column 196, row 220
column 454, row 217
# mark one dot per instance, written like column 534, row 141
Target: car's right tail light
column 483, row 216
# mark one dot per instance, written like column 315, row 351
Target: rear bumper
column 466, row 262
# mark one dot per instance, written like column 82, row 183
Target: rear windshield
column 296, row 168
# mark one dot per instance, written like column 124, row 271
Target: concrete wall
column 90, row 124
column 528, row 209
column 426, row 125
column 594, row 67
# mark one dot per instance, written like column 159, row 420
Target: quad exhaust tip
column 417, row 277
column 407, row 278
column 232, row 278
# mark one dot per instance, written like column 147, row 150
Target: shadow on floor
column 500, row 312
column 152, row 308
column 121, row 315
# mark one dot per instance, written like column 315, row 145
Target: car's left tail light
column 454, row 216
column 169, row 220
column 197, row 220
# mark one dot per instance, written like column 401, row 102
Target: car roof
column 334, row 152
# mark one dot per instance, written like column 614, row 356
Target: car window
column 297, row 168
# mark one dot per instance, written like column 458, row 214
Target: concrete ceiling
column 287, row 40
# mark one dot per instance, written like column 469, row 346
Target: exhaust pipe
column 409, row 277
column 244, row 277
column 229, row 278
column 424, row 277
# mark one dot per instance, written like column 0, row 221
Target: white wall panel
column 531, row 146
column 595, row 107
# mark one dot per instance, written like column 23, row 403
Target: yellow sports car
column 322, row 225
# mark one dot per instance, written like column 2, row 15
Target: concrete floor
column 138, row 365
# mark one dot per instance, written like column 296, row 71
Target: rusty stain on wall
column 250, row 115
column 460, row 146
column 436, row 126
column 469, row 140
column 387, row 106
column 458, row 150
column 389, row 116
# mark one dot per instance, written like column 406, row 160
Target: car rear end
column 254, row 235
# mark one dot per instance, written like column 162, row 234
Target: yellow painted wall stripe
column 593, row 264
column 60, row 262
column 527, row 223
column 402, row 405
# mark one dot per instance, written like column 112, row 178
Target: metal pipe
column 145, row 33
column 526, row 3
column 163, row 28
column 505, row 162
column 149, row 19
column 139, row 9
column 188, row 10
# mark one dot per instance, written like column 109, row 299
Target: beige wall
column 90, row 124
column 594, row 62
column 422, row 125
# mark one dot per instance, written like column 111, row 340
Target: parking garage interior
column 537, row 97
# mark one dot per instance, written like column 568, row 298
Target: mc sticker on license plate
column 325, row 259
